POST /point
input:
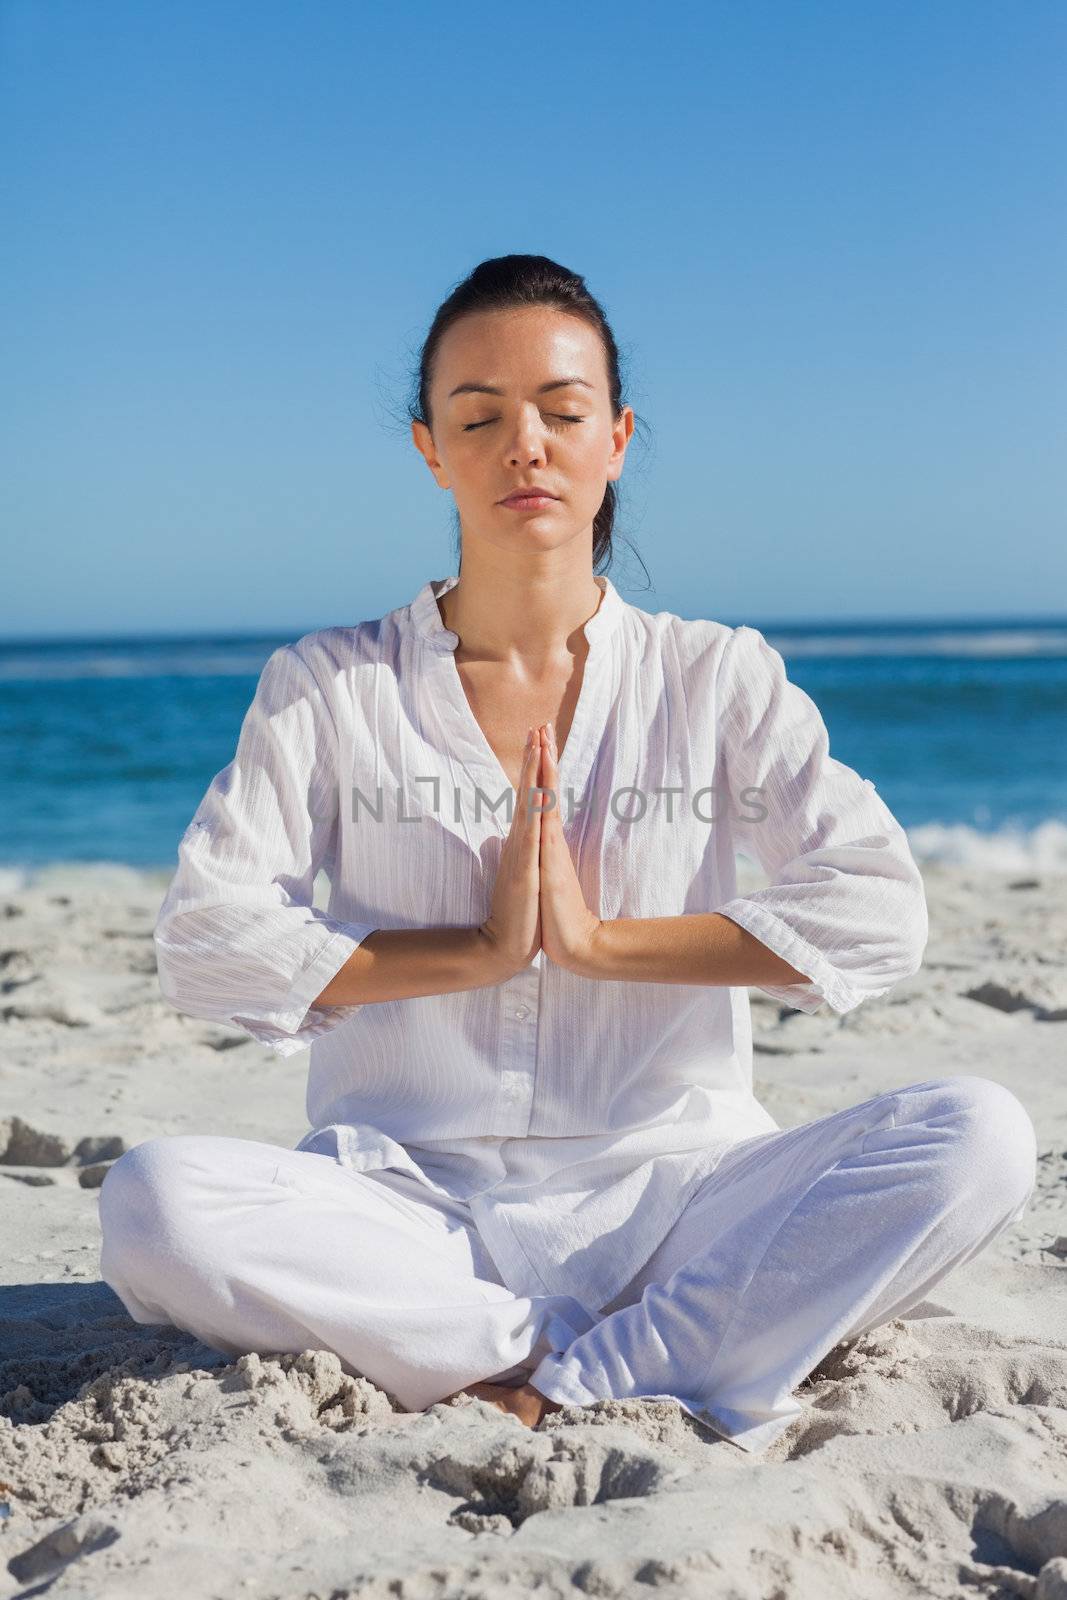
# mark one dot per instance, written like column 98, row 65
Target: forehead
column 527, row 343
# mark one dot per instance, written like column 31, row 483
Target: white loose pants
column 801, row 1238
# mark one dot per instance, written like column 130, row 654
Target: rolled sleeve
column 846, row 905
column 238, row 940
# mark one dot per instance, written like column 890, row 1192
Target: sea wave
column 995, row 643
column 71, row 660
column 72, row 668
column 1042, row 848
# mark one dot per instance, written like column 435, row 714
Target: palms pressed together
column 567, row 930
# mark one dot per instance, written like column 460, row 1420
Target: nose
column 528, row 444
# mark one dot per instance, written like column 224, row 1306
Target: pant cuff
column 559, row 1381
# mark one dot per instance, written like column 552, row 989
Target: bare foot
column 526, row 1403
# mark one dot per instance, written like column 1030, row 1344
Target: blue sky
column 831, row 238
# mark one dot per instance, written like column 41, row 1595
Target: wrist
column 590, row 958
column 495, row 964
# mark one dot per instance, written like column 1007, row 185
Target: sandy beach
column 931, row 1456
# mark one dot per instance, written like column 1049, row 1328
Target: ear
column 423, row 440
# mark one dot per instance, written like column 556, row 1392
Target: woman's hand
column 568, row 928
column 513, row 926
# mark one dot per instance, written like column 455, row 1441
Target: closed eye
column 470, row 426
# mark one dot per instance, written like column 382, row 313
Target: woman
column 536, row 1170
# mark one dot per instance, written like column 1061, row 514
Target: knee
column 994, row 1148
column 140, row 1197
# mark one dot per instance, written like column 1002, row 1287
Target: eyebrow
column 485, row 388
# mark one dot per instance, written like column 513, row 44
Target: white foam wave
column 194, row 659
column 71, row 668
column 90, row 875
column 1042, row 848
column 947, row 642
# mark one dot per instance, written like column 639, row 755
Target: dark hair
column 504, row 282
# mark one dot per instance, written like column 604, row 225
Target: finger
column 544, row 801
column 530, row 778
column 518, row 809
column 550, row 778
column 537, row 778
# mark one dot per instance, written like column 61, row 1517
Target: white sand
column 931, row 1457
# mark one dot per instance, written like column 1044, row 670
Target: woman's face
column 484, row 446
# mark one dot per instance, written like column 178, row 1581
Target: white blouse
column 574, row 1116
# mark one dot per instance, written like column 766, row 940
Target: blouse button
column 522, row 1011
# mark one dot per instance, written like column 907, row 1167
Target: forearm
column 697, row 947
column 403, row 963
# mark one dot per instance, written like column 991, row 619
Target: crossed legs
column 799, row 1239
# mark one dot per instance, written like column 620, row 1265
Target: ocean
column 108, row 744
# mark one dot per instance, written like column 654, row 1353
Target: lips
column 526, row 495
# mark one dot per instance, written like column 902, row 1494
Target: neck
column 508, row 615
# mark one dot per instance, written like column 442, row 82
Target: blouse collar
column 429, row 624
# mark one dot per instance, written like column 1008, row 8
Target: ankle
column 546, row 1404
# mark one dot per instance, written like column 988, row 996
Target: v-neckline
column 490, row 759
column 577, row 755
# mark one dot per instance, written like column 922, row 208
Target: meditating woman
column 535, row 1169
